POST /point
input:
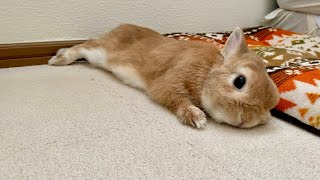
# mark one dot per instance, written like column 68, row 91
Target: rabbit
column 192, row 79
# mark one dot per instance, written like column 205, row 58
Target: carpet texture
column 77, row 122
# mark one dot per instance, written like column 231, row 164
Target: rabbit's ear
column 236, row 44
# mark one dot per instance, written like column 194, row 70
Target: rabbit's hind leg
column 90, row 50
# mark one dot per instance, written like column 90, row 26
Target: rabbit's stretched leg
column 90, row 50
column 97, row 55
column 98, row 51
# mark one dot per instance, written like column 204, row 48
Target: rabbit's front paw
column 193, row 116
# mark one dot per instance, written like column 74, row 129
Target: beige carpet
column 76, row 122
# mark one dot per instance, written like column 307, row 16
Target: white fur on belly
column 96, row 56
column 129, row 76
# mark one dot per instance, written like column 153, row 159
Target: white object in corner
column 294, row 21
column 306, row 6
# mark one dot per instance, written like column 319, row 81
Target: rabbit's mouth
column 240, row 124
column 246, row 124
column 254, row 119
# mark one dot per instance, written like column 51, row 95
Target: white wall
column 44, row 20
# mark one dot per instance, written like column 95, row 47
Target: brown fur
column 179, row 74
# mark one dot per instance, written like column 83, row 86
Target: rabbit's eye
column 239, row 82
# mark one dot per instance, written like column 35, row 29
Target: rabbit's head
column 239, row 92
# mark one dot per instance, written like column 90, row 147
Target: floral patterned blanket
column 293, row 64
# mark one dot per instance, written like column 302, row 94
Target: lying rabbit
column 187, row 77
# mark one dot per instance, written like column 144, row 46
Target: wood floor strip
column 28, row 54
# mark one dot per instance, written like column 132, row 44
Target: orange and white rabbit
column 189, row 78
